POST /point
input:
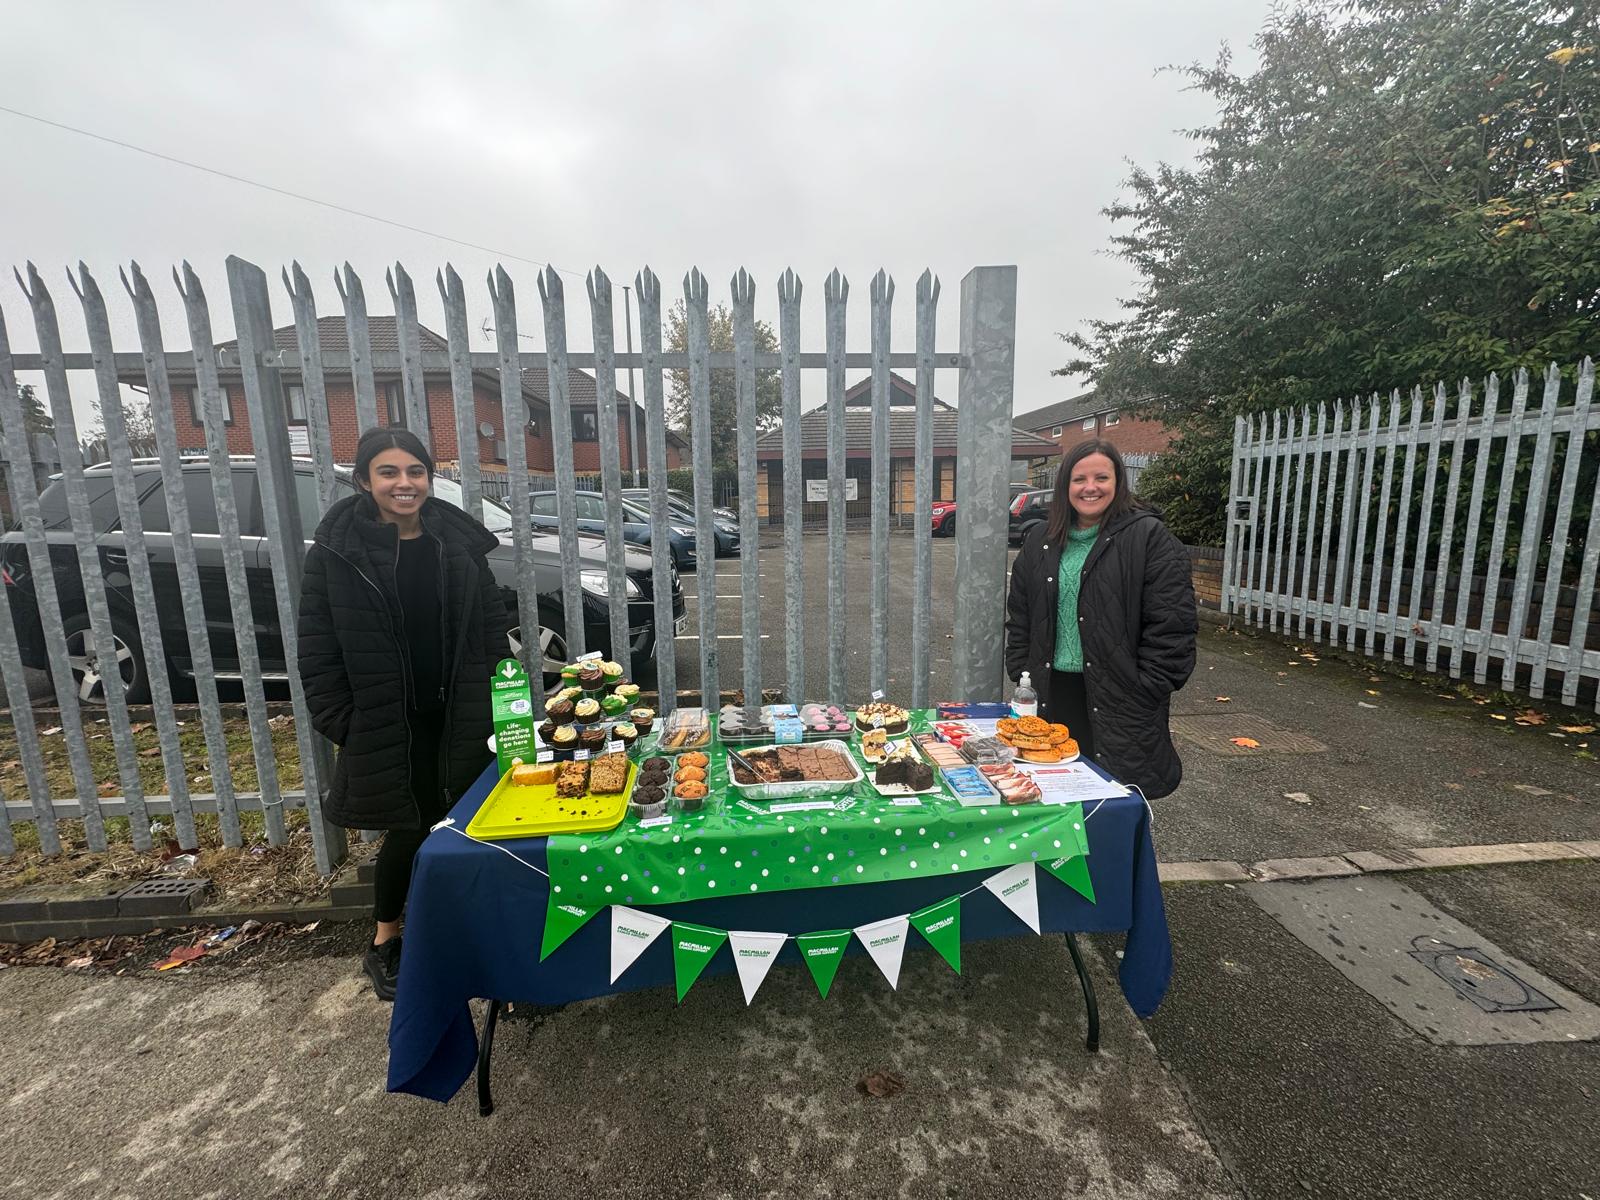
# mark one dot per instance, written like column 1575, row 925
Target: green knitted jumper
column 1069, row 646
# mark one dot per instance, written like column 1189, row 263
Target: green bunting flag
column 561, row 921
column 941, row 925
column 693, row 946
column 823, row 952
column 1074, row 872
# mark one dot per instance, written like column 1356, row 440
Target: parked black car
column 637, row 527
column 1028, row 508
column 724, row 521
column 263, row 605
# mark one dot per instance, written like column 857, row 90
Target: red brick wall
column 441, row 419
column 1131, row 435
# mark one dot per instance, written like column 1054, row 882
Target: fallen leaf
column 1297, row 797
column 189, row 953
column 1530, row 716
column 79, row 964
column 1371, row 692
column 1454, row 787
column 140, row 726
column 1247, row 743
column 1576, row 728
column 1497, row 716
column 1223, row 699
column 1364, row 704
column 51, row 732
column 879, row 1084
column 309, row 928
column 150, row 752
column 109, row 789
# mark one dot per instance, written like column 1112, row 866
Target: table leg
column 1092, row 1043
column 485, row 1049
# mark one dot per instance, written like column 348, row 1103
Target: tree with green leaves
column 724, row 400
column 1401, row 191
column 36, row 417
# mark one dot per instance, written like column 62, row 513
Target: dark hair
column 1061, row 506
column 378, row 439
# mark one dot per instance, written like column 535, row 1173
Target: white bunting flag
column 754, row 954
column 886, row 942
column 631, row 932
column 1017, row 891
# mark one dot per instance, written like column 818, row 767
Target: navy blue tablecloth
column 475, row 921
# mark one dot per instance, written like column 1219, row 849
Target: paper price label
column 580, row 755
column 906, row 802
column 878, row 695
column 592, row 656
column 546, row 756
column 614, row 747
column 652, row 822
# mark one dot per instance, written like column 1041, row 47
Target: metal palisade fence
column 1454, row 532
column 193, row 556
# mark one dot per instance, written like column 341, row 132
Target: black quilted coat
column 1136, row 613
column 352, row 665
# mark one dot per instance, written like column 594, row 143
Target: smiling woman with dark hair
column 401, row 626
column 1101, row 614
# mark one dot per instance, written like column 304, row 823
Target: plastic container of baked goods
column 848, row 770
column 684, row 729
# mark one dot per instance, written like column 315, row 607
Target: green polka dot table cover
column 742, row 846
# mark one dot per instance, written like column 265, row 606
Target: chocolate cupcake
column 592, row 737
column 560, row 712
column 613, row 706
column 586, row 711
column 643, row 719
column 625, row 733
column 547, row 731
column 565, row 739
column 591, row 678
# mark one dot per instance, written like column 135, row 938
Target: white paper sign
column 652, row 822
column 886, row 942
column 1062, row 783
column 1017, row 888
column 817, row 490
column 753, row 955
column 632, row 932
column 801, row 806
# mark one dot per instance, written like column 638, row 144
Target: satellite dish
column 486, row 430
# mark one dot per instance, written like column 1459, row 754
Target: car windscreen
column 495, row 519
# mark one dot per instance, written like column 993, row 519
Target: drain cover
column 1216, row 734
column 161, row 897
column 1479, row 978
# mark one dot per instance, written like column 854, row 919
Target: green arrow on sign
column 823, row 952
column 693, row 946
column 941, row 925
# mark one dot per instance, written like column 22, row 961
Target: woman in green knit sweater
column 1101, row 614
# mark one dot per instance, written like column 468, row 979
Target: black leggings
column 1067, row 702
column 392, row 870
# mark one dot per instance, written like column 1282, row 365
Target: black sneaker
column 382, row 965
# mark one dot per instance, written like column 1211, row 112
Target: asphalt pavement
column 1267, row 1073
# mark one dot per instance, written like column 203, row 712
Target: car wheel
column 552, row 651
column 89, row 674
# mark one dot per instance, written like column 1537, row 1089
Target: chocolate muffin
column 625, row 733
column 591, row 678
column 643, row 719
column 547, row 732
column 586, row 711
column 592, row 737
column 560, row 712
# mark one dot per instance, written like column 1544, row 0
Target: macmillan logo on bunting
column 693, row 946
column 941, row 925
column 1015, row 889
column 632, row 932
column 823, row 952
column 753, row 956
column 561, row 921
column 886, row 942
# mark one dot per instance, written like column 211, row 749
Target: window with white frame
column 1056, row 432
column 195, row 406
column 297, row 405
column 1112, row 418
column 1088, row 423
column 394, row 402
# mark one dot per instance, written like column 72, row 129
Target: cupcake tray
column 515, row 812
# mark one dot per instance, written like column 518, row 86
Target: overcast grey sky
column 855, row 135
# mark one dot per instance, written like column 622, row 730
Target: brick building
column 1068, row 422
column 488, row 414
column 858, row 455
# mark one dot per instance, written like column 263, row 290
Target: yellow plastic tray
column 516, row 812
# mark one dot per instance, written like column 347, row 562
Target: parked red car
column 944, row 518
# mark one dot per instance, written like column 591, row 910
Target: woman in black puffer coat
column 1101, row 614
column 401, row 627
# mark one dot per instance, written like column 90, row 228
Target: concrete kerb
column 351, row 899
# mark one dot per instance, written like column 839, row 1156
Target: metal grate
column 1216, row 734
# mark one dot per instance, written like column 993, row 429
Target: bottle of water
column 1024, row 701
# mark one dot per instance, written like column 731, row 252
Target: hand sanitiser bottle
column 1024, row 701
